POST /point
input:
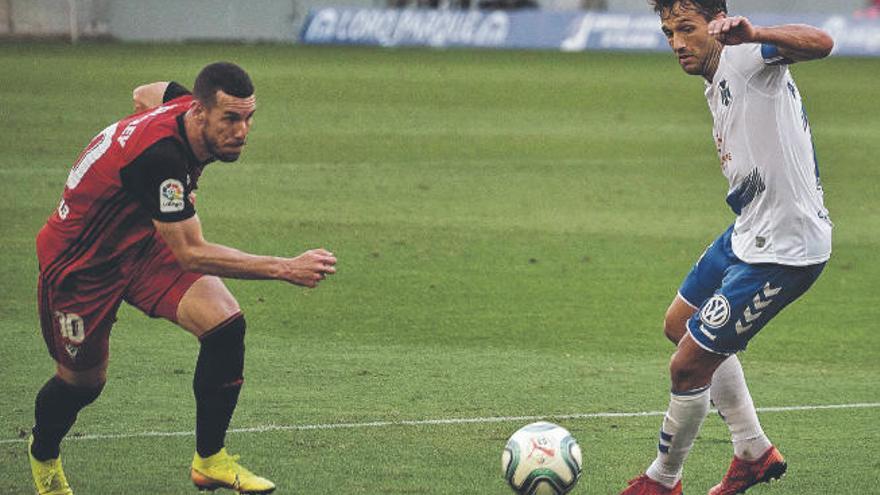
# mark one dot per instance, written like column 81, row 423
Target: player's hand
column 734, row 30
column 309, row 268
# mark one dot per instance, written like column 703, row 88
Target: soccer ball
column 541, row 459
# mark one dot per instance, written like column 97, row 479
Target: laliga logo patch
column 171, row 196
column 715, row 312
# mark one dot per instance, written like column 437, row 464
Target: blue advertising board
column 536, row 29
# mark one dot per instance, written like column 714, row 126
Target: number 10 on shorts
column 72, row 327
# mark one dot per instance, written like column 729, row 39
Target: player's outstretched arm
column 149, row 95
column 196, row 254
column 796, row 42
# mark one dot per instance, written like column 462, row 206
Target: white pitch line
column 433, row 422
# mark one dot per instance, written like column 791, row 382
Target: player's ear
column 199, row 112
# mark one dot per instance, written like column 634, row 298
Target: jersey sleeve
column 174, row 90
column 771, row 55
column 760, row 64
column 159, row 181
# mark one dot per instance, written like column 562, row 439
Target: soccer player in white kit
column 770, row 256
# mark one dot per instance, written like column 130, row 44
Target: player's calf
column 217, row 382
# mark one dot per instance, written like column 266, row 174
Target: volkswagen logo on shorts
column 715, row 312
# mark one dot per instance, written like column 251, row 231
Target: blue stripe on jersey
column 746, row 192
column 771, row 55
column 806, row 121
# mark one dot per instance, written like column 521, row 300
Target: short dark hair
column 708, row 8
column 222, row 76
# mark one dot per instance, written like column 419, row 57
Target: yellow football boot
column 222, row 470
column 48, row 475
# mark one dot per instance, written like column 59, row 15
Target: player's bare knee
column 207, row 304
column 686, row 375
column 94, row 377
column 680, row 377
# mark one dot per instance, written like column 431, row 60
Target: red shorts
column 77, row 314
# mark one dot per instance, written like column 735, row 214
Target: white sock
column 731, row 396
column 680, row 427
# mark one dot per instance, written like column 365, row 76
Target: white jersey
column 766, row 151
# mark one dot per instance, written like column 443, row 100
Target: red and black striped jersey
column 137, row 169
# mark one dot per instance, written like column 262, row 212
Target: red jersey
column 136, row 170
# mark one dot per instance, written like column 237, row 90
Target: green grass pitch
column 510, row 229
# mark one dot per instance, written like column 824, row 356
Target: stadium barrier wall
column 631, row 26
column 54, row 19
column 536, row 29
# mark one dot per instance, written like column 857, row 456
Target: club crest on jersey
column 715, row 312
column 726, row 97
column 171, row 196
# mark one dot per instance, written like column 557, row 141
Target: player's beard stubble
column 215, row 148
column 713, row 57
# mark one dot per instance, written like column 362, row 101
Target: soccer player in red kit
column 126, row 230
